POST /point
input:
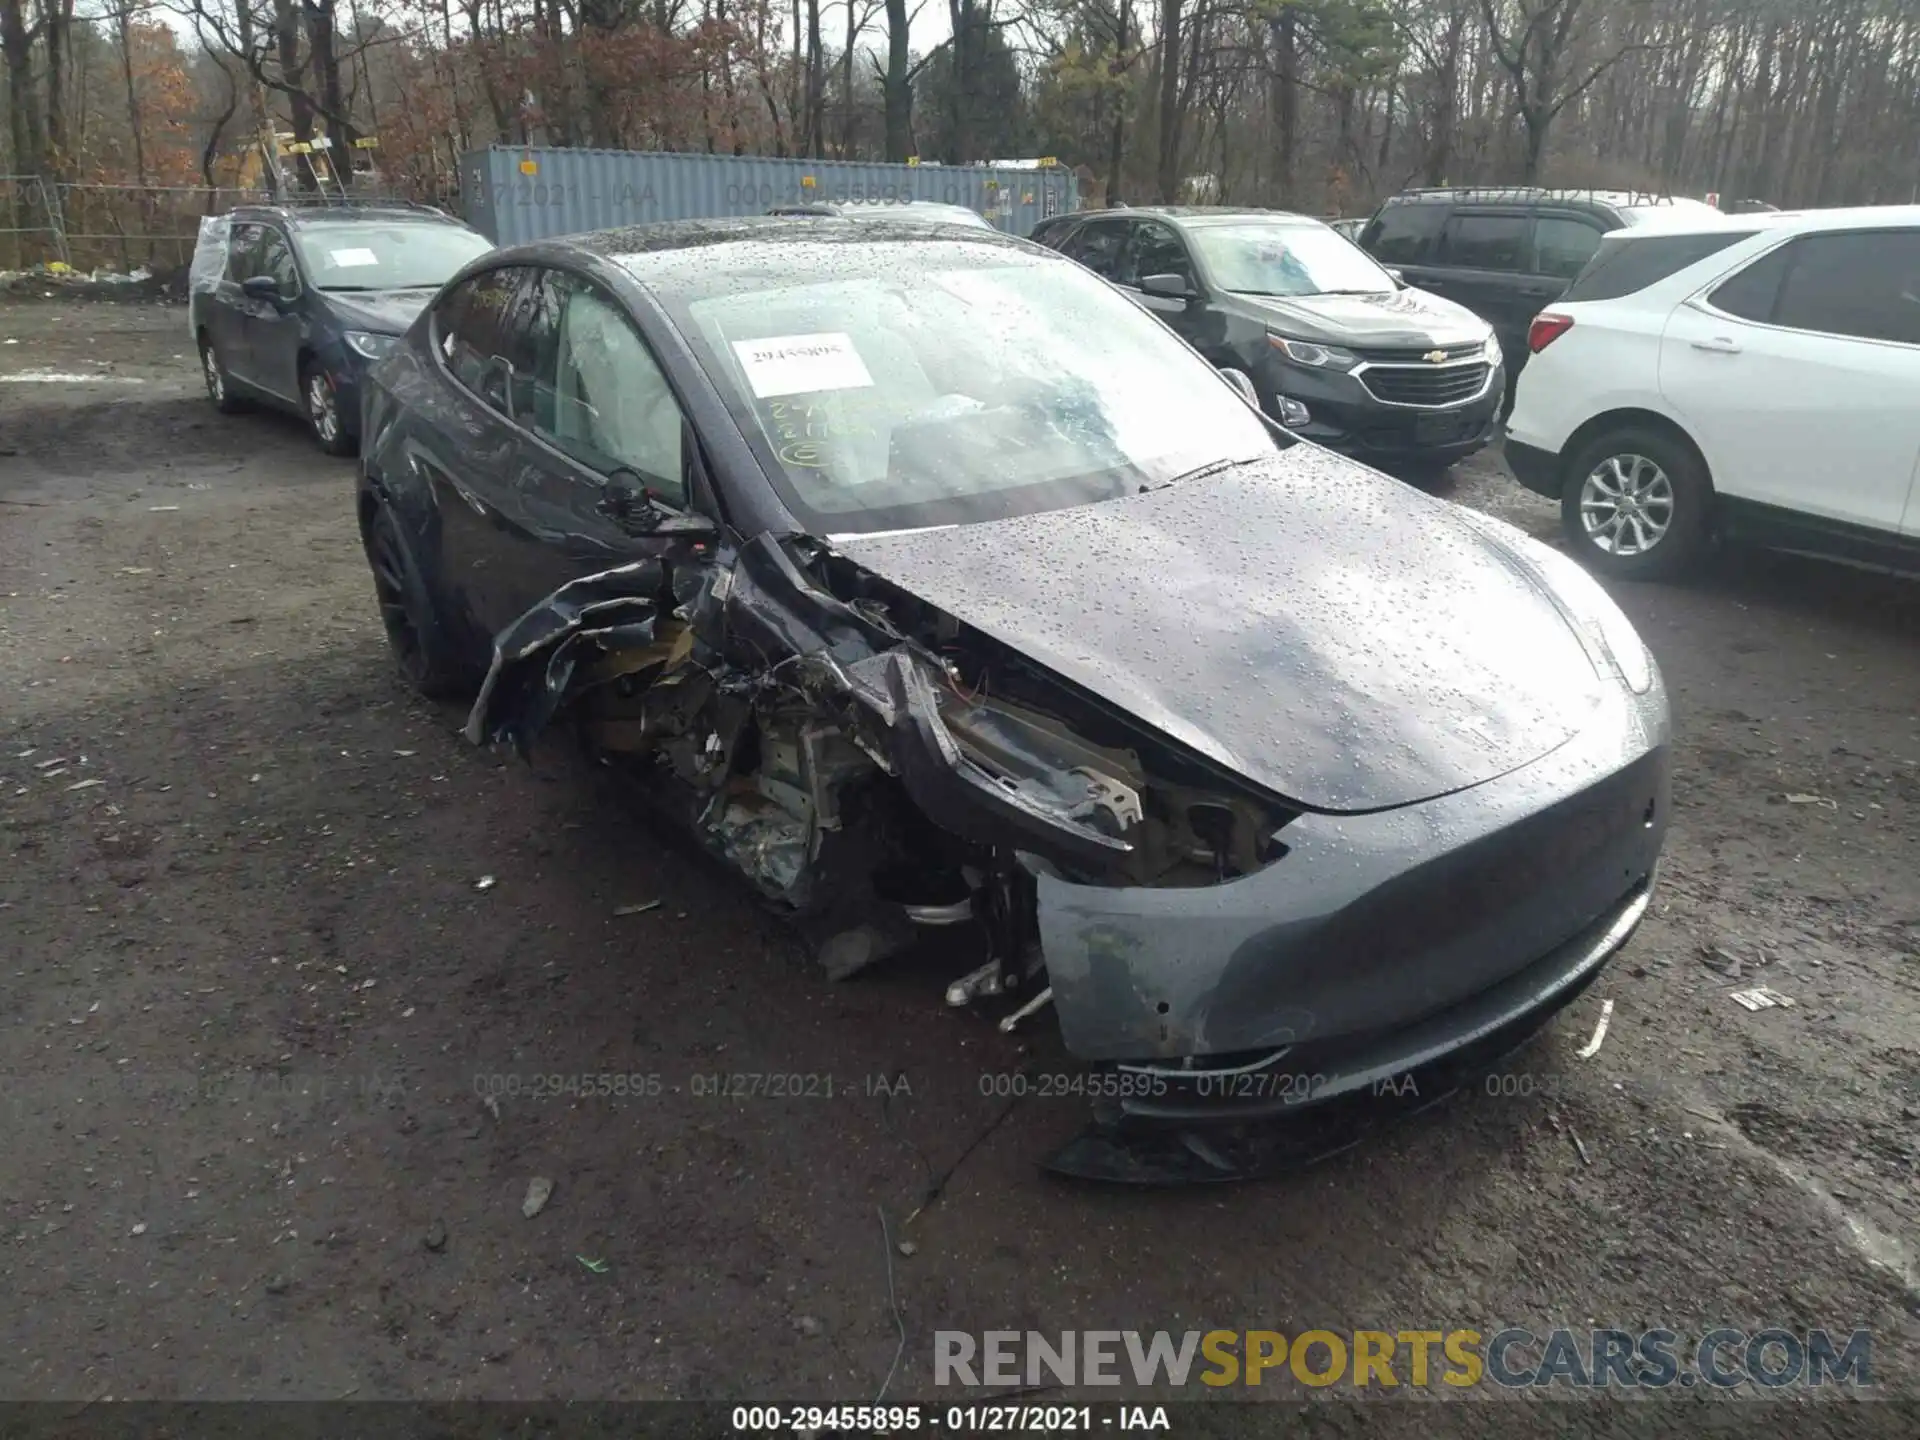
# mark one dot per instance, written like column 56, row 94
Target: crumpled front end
column 875, row 766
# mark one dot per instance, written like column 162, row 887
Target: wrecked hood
column 1337, row 638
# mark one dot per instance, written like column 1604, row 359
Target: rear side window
column 1403, row 234
column 1622, row 266
column 1484, row 242
column 1864, row 283
column 1752, row 293
column 1562, row 246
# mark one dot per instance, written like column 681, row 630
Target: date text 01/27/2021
column 989, row 1417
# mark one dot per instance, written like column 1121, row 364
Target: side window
column 241, row 241
column 1157, row 251
column 608, row 403
column 1865, row 284
column 472, row 327
column 1097, row 246
column 1484, row 242
column 1403, row 234
column 1752, row 293
column 275, row 257
column 529, row 342
column 1562, row 246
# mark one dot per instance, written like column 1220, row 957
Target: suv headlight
column 370, row 346
column 1306, row 352
column 1495, row 355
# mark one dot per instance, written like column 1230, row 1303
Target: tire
column 1661, row 532
column 322, row 406
column 415, row 632
column 214, row 372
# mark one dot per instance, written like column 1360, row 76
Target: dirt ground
column 254, row 992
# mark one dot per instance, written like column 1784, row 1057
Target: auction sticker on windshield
column 801, row 364
column 349, row 259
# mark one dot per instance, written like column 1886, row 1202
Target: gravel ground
column 250, row 979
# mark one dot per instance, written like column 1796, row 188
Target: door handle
column 1719, row 345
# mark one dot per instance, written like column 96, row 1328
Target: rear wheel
column 415, row 633
column 1636, row 504
column 323, row 411
column 214, row 371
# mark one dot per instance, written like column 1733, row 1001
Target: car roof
column 1860, row 217
column 630, row 245
column 1539, row 195
column 303, row 215
column 1201, row 214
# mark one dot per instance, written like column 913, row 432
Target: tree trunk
column 286, row 30
column 1167, row 171
column 816, row 83
column 57, row 22
column 898, row 85
column 1117, row 141
column 1285, row 101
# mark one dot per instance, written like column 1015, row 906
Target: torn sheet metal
column 534, row 658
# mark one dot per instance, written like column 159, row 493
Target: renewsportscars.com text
column 1511, row 1358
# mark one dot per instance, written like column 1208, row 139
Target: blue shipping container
column 515, row 195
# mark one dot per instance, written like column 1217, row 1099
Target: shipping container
column 514, row 195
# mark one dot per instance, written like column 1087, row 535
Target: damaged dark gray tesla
column 927, row 580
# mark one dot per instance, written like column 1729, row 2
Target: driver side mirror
column 1399, row 280
column 261, row 287
column 1174, row 287
column 1242, row 382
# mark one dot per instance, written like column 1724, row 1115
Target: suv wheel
column 1636, row 504
column 412, row 621
column 323, row 411
column 215, row 374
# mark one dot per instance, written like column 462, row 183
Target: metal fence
column 110, row 227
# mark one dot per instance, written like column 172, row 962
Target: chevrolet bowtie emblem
column 1434, row 357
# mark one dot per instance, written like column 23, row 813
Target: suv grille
column 1408, row 354
column 1429, row 385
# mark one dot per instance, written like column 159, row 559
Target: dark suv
column 1340, row 350
column 1506, row 254
column 290, row 304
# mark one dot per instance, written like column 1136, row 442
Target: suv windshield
column 1262, row 258
column 939, row 382
column 385, row 254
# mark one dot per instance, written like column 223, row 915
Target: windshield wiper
column 1212, row 467
column 355, row 289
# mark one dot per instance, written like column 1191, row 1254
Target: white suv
column 1757, row 376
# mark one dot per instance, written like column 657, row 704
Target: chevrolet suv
column 1340, row 351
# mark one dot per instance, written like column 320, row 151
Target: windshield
column 1263, row 258
column 386, row 254
column 909, row 383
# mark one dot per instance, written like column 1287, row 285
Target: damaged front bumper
column 1378, row 960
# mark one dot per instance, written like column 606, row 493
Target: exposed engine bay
column 870, row 763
